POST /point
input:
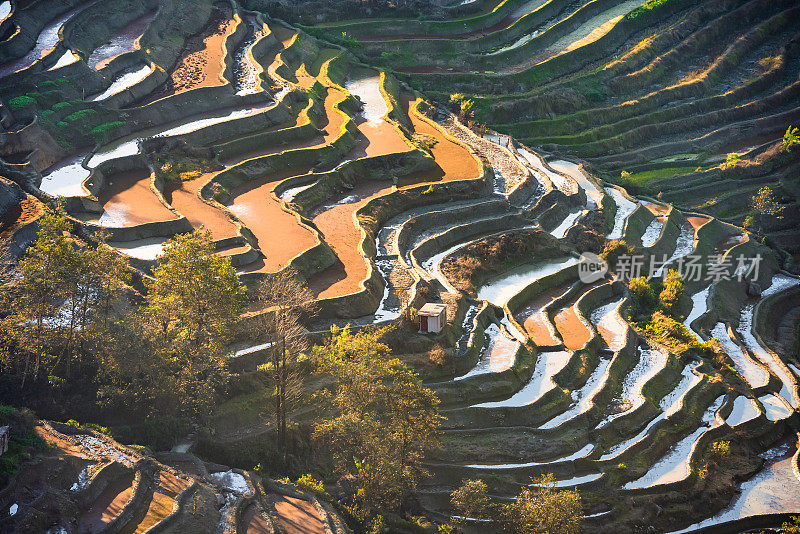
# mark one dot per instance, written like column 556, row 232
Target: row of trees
column 72, row 317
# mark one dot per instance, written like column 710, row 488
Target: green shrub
column 105, row 127
column 23, row 101
column 61, row 105
column 47, row 113
column 309, row 483
column 672, row 289
column 643, row 297
column 79, row 115
column 648, row 6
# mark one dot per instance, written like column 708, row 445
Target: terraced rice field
column 303, row 157
column 660, row 90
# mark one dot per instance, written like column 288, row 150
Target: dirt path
column 298, row 516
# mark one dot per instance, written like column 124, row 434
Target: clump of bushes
column 23, row 101
column 654, row 310
column 23, row 440
column 102, row 129
column 175, row 173
column 81, row 114
column 308, row 483
column 648, row 6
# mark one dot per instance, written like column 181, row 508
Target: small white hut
column 432, row 317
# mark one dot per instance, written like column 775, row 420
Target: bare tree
column 287, row 301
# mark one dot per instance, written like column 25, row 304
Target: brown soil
column 30, row 209
column 455, row 162
column 697, row 222
column 537, row 328
column 107, row 506
column 342, row 233
column 203, row 63
column 298, row 516
column 188, row 202
column 61, row 445
column 658, row 210
column 726, row 243
column 277, row 232
column 571, row 328
column 129, row 199
column 161, row 506
column 254, row 522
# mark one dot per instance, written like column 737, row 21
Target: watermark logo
column 592, row 268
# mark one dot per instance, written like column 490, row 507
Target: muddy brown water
column 277, row 232
column 107, row 505
column 169, row 486
column 697, row 221
column 129, row 200
column 297, row 516
column 187, row 201
column 572, row 330
column 341, row 231
column 254, row 522
column 535, row 321
column 454, row 161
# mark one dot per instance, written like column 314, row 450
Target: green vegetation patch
column 23, row 440
column 648, row 6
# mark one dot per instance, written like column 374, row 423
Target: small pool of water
column 67, row 58
column 624, row 208
column 652, row 233
column 772, row 491
column 674, row 466
column 143, row 249
column 125, row 81
column 66, row 178
column 754, row 374
column 744, row 409
column 699, row 307
column 583, row 452
column 583, row 398
column 594, row 196
column 548, row 364
column 503, row 287
column 561, row 230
